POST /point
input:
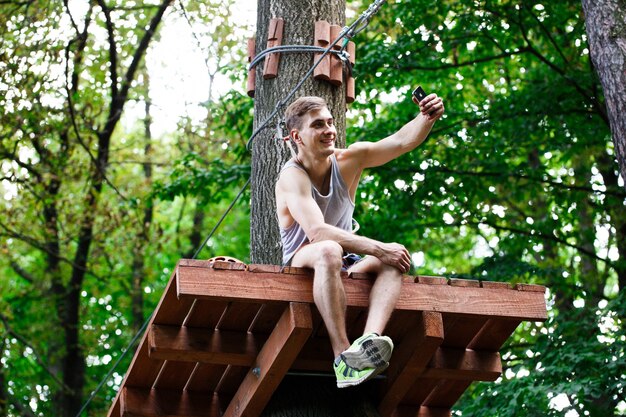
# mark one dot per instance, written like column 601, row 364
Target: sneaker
column 348, row 376
column 369, row 351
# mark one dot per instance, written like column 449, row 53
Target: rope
column 342, row 54
column 348, row 32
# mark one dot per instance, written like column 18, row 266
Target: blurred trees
column 84, row 232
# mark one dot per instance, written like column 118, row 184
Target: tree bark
column 269, row 154
column 298, row 395
column 606, row 30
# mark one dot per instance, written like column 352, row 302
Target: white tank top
column 337, row 208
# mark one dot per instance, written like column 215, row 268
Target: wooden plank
column 411, row 358
column 493, row 335
column 115, row 411
column 263, row 287
column 434, row 412
column 446, row 393
column 220, row 347
column 174, row 375
column 464, row 364
column 273, row 362
column 231, row 381
column 238, row 316
column 205, row 377
column 205, row 313
column 460, row 330
column 138, row 402
column 266, row 318
column 404, row 411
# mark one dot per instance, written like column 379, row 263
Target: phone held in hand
column 419, row 93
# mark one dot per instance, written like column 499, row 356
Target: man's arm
column 293, row 195
column 409, row 137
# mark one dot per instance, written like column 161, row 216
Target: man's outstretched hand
column 431, row 106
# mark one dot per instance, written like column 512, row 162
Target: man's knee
column 329, row 254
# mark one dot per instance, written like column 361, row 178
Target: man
column 315, row 201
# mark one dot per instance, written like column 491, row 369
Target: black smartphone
column 419, row 93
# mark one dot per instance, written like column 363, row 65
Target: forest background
column 99, row 199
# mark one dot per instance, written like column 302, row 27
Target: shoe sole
column 354, row 382
column 373, row 353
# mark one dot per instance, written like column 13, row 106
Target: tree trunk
column 606, row 29
column 269, row 154
column 298, row 395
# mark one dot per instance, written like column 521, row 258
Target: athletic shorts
column 349, row 259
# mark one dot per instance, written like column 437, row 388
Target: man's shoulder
column 289, row 176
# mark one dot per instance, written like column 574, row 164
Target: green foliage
column 516, row 183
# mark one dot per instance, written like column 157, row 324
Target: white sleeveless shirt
column 337, row 208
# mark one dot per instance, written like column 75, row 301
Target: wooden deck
column 224, row 336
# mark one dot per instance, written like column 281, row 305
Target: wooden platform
column 224, row 335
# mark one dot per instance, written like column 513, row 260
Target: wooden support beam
column 411, row 358
column 219, row 347
column 282, row 347
column 464, row 364
column 141, row 402
column 408, row 411
column 261, row 287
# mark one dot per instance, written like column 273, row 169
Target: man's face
column 318, row 132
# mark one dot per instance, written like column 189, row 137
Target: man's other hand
column 396, row 255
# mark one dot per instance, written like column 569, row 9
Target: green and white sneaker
column 348, row 376
column 369, row 351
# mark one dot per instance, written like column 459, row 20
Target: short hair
column 299, row 108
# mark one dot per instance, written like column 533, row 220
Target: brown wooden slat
column 174, row 375
column 239, row 315
column 446, row 393
column 496, row 285
column 458, row 282
column 137, row 402
column 493, row 334
column 266, row 318
column 422, row 412
column 464, row 364
column 419, row 391
column 411, row 358
column 205, row 377
column 115, row 411
column 205, row 313
column 199, row 345
column 231, row 380
column 273, row 362
column 262, row 287
column 460, row 330
column 434, row 412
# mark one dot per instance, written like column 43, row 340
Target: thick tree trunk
column 269, row 154
column 298, row 395
column 606, row 29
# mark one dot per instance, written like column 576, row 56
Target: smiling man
column 315, row 202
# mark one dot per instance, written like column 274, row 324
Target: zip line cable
column 347, row 32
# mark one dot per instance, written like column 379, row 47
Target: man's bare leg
column 384, row 295
column 370, row 350
column 328, row 292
